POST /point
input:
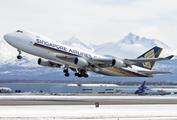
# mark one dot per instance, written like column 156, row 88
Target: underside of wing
column 66, row 58
column 102, row 61
column 90, row 63
column 93, row 61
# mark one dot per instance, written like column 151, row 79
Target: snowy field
column 115, row 112
column 106, row 112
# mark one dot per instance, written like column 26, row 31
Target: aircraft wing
column 97, row 61
column 127, row 62
column 102, row 62
column 130, row 61
column 67, row 58
column 155, row 72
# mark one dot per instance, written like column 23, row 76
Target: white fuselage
column 5, row 90
column 161, row 91
column 46, row 48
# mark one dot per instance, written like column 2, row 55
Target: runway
column 83, row 107
column 86, row 100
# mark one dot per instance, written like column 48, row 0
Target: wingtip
column 170, row 57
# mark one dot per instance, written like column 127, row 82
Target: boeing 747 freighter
column 53, row 54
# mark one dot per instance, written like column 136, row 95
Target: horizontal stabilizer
column 155, row 72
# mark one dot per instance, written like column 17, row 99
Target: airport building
column 76, row 88
column 60, row 88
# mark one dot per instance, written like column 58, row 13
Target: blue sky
column 97, row 21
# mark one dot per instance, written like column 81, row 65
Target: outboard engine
column 118, row 63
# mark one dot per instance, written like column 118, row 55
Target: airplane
column 5, row 90
column 155, row 91
column 53, row 54
column 161, row 91
column 158, row 91
column 142, row 89
column 130, row 89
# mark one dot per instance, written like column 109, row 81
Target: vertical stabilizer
column 141, row 89
column 152, row 53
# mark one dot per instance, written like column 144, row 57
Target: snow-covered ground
column 116, row 112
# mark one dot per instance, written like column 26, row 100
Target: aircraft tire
column 19, row 57
column 65, row 71
column 86, row 75
column 66, row 74
column 76, row 74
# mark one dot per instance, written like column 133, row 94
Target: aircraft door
column 31, row 43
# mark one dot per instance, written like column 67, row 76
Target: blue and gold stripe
column 53, row 50
column 125, row 72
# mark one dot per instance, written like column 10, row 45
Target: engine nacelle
column 81, row 62
column 118, row 63
column 47, row 63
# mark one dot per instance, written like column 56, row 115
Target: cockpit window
column 19, row 31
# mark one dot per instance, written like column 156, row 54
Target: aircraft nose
column 7, row 38
column 10, row 38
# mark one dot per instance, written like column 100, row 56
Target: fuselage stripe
column 54, row 50
column 125, row 72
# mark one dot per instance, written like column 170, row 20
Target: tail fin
column 152, row 53
column 141, row 89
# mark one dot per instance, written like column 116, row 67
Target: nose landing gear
column 19, row 56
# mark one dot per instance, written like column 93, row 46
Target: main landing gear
column 82, row 73
column 66, row 72
column 19, row 56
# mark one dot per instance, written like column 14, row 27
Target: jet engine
column 47, row 63
column 81, row 62
column 118, row 63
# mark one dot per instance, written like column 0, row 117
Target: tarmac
column 85, row 100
